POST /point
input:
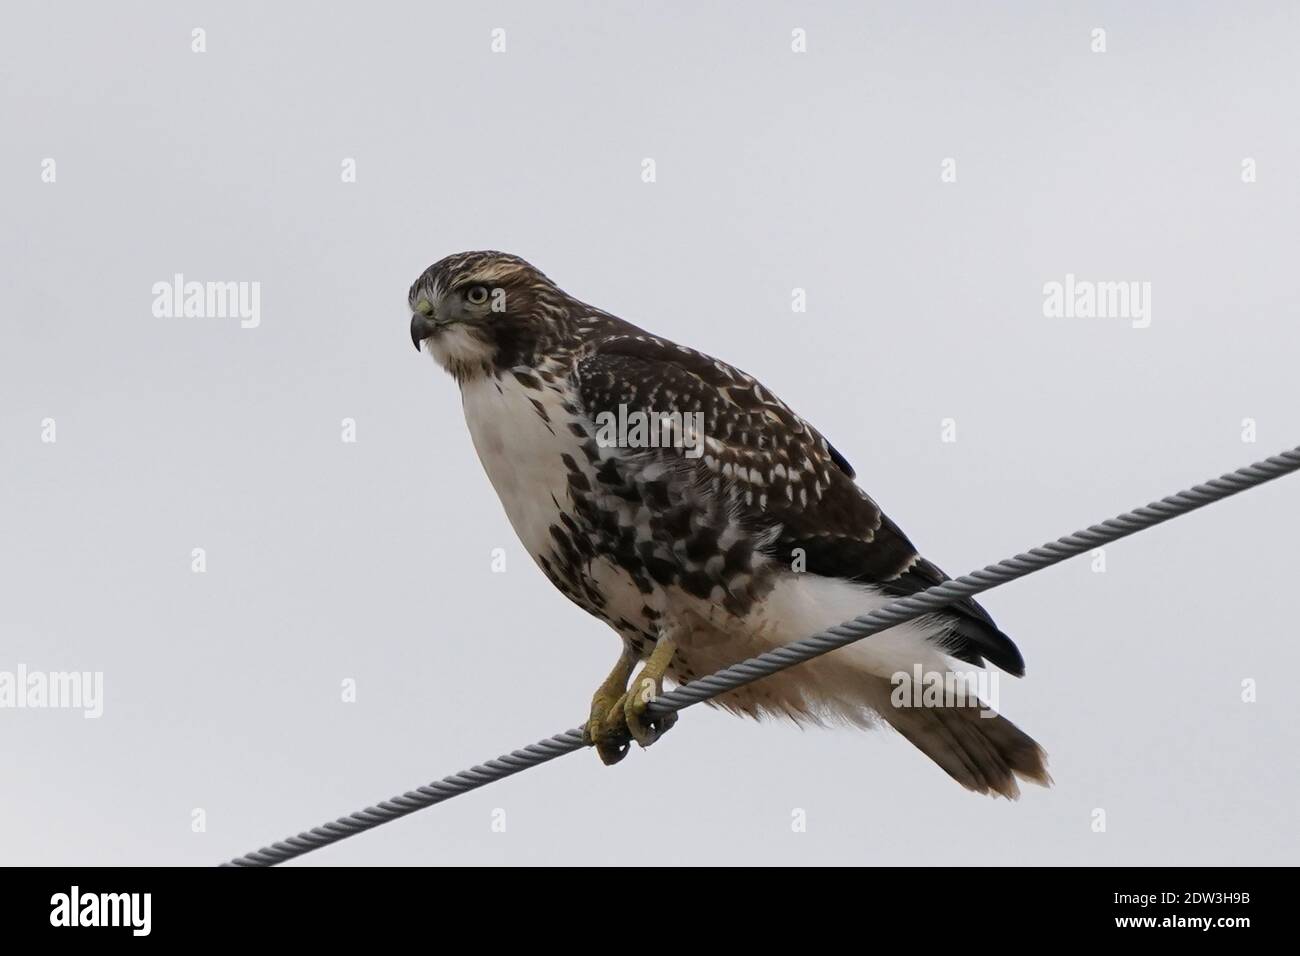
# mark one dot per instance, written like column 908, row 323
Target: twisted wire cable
column 737, row 675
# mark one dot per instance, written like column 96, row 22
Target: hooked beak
column 422, row 326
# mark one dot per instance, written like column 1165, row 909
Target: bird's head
column 479, row 311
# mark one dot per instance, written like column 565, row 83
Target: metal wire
column 737, row 675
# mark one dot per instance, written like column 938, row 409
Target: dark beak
column 422, row 326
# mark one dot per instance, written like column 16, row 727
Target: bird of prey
column 699, row 554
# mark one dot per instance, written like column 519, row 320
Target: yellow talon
column 611, row 743
column 631, row 717
column 618, row 712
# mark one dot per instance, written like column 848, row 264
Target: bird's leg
column 611, row 742
column 646, row 686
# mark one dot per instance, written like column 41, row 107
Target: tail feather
column 982, row 753
column 854, row 684
column 980, row 749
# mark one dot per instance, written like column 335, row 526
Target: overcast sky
column 1169, row 160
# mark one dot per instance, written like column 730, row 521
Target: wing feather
column 787, row 483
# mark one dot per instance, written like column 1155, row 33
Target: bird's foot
column 611, row 742
column 631, row 714
column 620, row 714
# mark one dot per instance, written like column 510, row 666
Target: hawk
column 731, row 538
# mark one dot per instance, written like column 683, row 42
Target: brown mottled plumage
column 761, row 539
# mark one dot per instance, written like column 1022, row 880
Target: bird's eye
column 478, row 294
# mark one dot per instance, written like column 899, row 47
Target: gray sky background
column 776, row 170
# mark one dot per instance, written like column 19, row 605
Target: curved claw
column 610, row 740
column 643, row 729
column 612, row 743
column 619, row 716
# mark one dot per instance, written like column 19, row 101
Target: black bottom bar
column 932, row 906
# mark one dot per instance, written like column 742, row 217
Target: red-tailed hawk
column 681, row 502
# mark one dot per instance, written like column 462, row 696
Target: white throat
column 460, row 352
